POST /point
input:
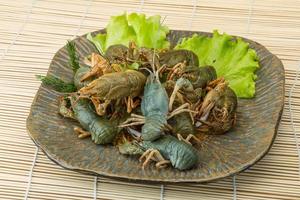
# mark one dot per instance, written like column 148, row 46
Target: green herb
column 56, row 83
column 232, row 59
column 122, row 29
column 73, row 58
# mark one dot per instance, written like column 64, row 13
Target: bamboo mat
column 31, row 31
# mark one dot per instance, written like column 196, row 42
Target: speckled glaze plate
column 220, row 156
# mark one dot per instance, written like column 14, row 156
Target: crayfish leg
column 100, row 107
column 81, row 133
column 206, row 108
column 99, row 66
column 183, row 108
column 181, row 83
column 175, row 70
column 94, row 71
column 131, row 104
column 173, row 95
column 168, row 127
column 153, row 154
column 188, row 138
column 133, row 121
column 214, row 83
column 162, row 164
column 64, row 110
column 161, row 70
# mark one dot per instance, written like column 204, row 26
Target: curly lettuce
column 232, row 59
column 145, row 32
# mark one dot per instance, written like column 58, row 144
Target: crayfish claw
column 99, row 66
column 215, row 82
column 131, row 104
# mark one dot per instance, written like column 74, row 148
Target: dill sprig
column 73, row 58
column 57, row 84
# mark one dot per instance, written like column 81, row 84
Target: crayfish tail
column 153, row 127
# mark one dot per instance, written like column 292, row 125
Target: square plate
column 219, row 155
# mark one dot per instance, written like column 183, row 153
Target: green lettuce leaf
column 232, row 59
column 98, row 41
column 145, row 32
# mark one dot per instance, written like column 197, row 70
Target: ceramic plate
column 220, row 156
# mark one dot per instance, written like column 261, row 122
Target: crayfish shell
column 173, row 57
column 222, row 116
column 116, row 85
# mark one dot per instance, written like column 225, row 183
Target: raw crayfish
column 218, row 111
column 165, row 150
column 102, row 130
column 114, row 86
column 154, row 108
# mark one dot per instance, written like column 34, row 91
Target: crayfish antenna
column 155, row 72
column 153, row 60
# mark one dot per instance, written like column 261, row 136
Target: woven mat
column 32, row 31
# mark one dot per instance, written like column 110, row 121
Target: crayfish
column 164, row 151
column 106, row 80
column 101, row 130
column 113, row 86
column 218, row 111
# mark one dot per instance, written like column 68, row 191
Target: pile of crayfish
column 151, row 103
